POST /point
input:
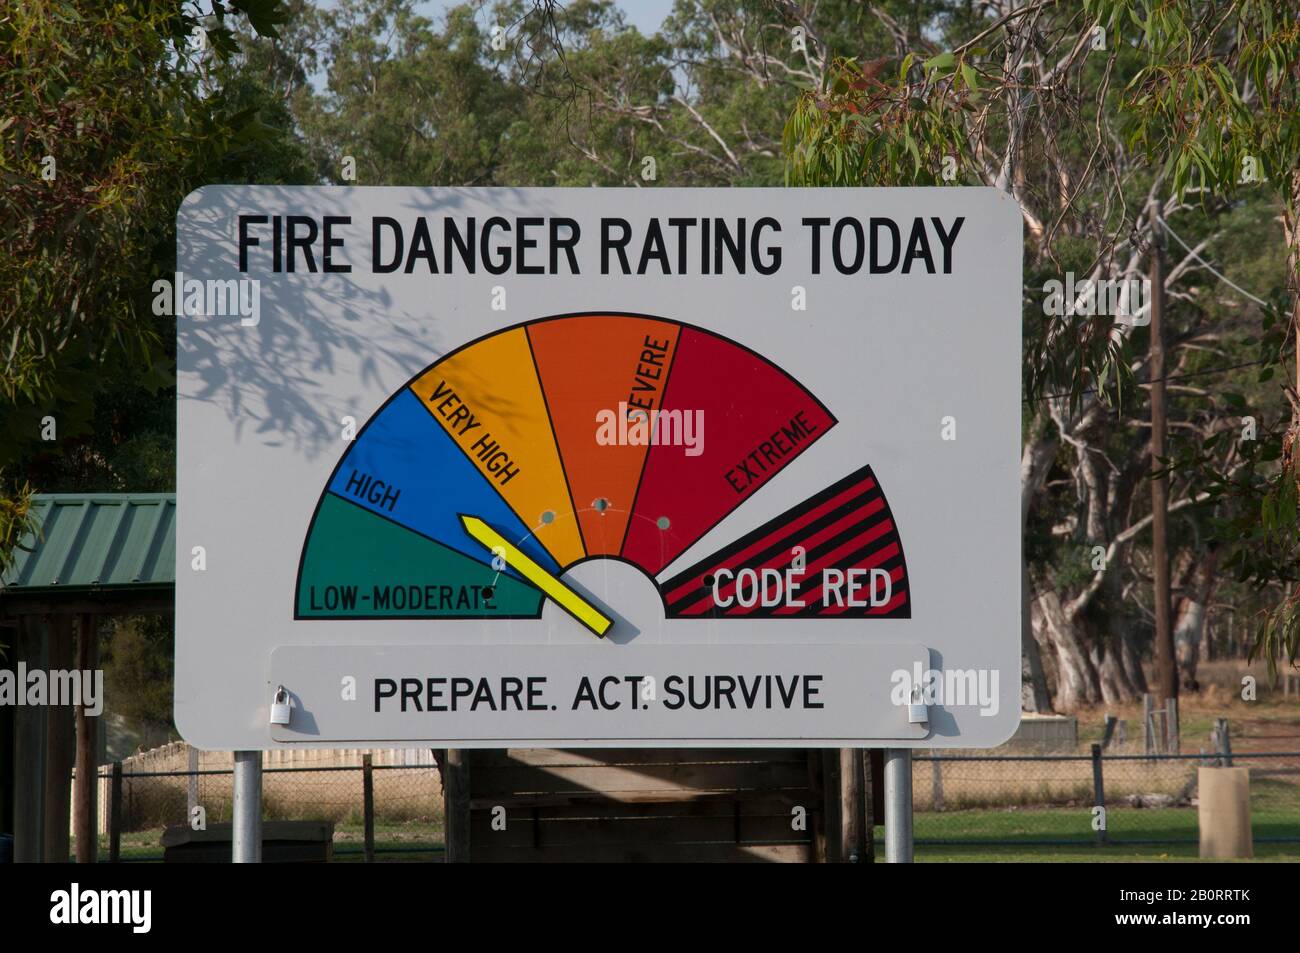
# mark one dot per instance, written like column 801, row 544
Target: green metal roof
column 96, row 541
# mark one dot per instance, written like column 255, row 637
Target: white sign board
column 564, row 467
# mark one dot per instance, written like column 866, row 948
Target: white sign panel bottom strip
column 487, row 695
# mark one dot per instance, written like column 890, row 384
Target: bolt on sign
column 566, row 467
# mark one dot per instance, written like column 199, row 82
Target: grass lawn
column 1112, row 854
column 395, row 842
column 1059, row 834
column 1275, row 813
column 969, row 826
column 984, row 832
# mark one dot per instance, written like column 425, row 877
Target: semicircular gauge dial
column 578, row 437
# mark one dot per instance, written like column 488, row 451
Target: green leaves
column 1279, row 629
column 904, row 66
column 16, row 521
column 111, row 94
column 865, row 131
column 941, row 63
column 1277, row 513
column 1187, row 104
column 263, row 15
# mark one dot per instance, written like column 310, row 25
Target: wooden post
column 1291, row 225
column 936, row 782
column 861, row 812
column 852, row 846
column 1172, row 741
column 115, row 815
column 816, row 811
column 368, row 805
column 1166, row 668
column 191, row 781
column 85, row 816
column 59, row 735
column 1148, row 723
column 1223, row 813
column 1223, row 742
column 7, row 729
column 831, row 790
column 1109, row 733
column 871, row 782
column 29, row 755
column 1098, row 792
column 455, row 799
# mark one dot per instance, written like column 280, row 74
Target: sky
column 645, row 15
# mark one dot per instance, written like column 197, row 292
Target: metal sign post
column 246, row 834
column 898, row 806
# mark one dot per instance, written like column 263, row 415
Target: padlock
column 280, row 710
column 918, row 712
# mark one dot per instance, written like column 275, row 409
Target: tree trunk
column 1189, row 624
column 1132, row 656
column 1119, row 671
column 1190, row 617
column 1291, row 232
column 1035, row 460
column 1166, row 672
column 1033, row 681
column 1113, row 676
column 1076, row 677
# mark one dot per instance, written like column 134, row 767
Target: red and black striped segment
column 846, row 526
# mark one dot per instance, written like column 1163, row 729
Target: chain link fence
column 1025, row 800
column 386, row 811
column 961, row 800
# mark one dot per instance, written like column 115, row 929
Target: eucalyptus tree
column 1217, row 103
column 108, row 120
column 532, row 92
column 1029, row 98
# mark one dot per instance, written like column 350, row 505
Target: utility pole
column 1166, row 670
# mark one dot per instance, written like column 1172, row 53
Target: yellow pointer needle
column 566, row 598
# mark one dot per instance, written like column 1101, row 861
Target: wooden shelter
column 788, row 805
column 91, row 555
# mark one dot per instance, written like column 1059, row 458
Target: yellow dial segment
column 489, row 401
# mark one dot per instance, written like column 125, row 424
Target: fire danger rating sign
column 563, row 467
